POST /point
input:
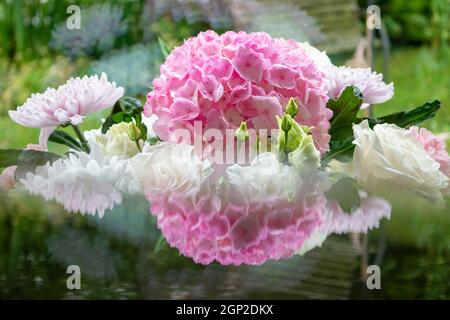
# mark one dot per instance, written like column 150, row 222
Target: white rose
column 389, row 156
column 168, row 169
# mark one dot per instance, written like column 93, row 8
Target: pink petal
column 221, row 68
column 248, row 64
column 282, row 76
column 211, row 88
column 183, row 109
column 240, row 93
column 245, row 231
column 267, row 104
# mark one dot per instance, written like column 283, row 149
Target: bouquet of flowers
column 248, row 148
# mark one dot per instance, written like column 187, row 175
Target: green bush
column 417, row 21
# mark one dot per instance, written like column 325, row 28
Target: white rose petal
column 390, row 156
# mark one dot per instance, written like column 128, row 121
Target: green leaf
column 153, row 140
column 164, row 47
column 405, row 119
column 341, row 150
column 160, row 243
column 62, row 137
column 345, row 111
column 127, row 118
column 130, row 105
column 117, row 108
column 144, row 131
column 25, row 160
column 9, row 157
column 125, row 110
column 118, row 117
column 107, row 124
column 345, row 192
column 138, row 118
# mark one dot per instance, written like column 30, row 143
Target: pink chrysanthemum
column 68, row 104
column 435, row 147
column 366, row 217
column 224, row 80
column 371, row 85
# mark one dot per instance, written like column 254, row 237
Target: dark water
column 122, row 257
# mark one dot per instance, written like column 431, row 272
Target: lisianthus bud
column 297, row 144
column 288, row 140
column 286, row 123
column 242, row 132
column 134, row 133
column 292, row 108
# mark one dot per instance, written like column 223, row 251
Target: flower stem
column 80, row 136
column 138, row 145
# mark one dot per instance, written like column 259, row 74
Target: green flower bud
column 292, row 108
column 295, row 144
column 286, row 123
column 289, row 140
column 241, row 133
column 134, row 133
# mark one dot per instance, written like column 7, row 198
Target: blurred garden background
column 125, row 259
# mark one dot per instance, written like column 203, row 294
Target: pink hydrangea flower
column 435, row 148
column 231, row 235
column 224, row 80
column 257, row 213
